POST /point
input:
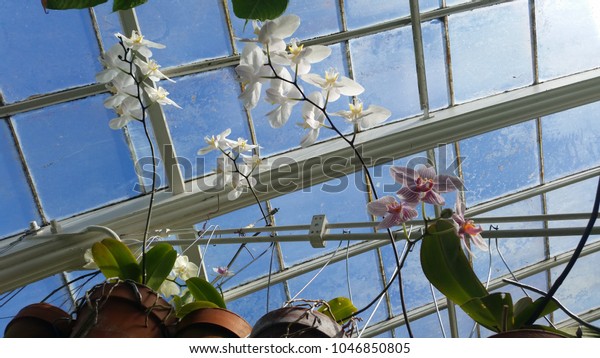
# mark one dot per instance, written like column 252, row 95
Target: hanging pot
column 296, row 322
column 528, row 333
column 39, row 320
column 211, row 323
column 123, row 309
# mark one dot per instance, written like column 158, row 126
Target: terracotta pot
column 296, row 322
column 212, row 323
column 124, row 309
column 39, row 320
column 527, row 333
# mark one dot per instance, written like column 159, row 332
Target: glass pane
column 575, row 198
column 332, row 198
column 49, row 52
column 108, row 23
column 358, row 278
column 428, row 326
column 77, row 162
column 210, row 105
column 190, row 30
column 360, row 13
column 435, row 64
column 384, row 64
column 250, row 262
column 568, row 36
column 579, row 292
column 510, row 254
column 482, row 66
column 570, row 141
column 500, row 162
column 317, row 18
column 17, row 207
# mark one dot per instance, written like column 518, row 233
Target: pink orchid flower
column 424, row 184
column 393, row 212
column 467, row 230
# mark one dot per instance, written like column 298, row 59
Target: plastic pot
column 211, row 323
column 39, row 320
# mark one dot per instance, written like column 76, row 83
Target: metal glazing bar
column 417, row 35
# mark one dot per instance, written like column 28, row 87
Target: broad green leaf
column 341, row 307
column 523, row 314
column 446, row 266
column 159, row 263
column 192, row 306
column 70, row 4
column 105, row 261
column 115, row 259
column 491, row 311
column 202, row 290
column 126, row 4
column 259, row 9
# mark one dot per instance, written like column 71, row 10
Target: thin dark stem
column 559, row 281
column 151, row 203
column 560, row 305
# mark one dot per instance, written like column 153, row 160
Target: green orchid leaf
column 495, row 311
column 192, row 306
column 341, row 307
column 446, row 266
column 259, row 9
column 115, row 259
column 70, row 4
column 127, row 4
column 159, row 263
column 202, row 290
column 523, row 313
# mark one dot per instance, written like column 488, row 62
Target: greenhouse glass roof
column 504, row 94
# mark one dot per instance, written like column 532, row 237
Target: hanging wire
column 348, row 281
column 379, row 300
column 318, row 272
column 437, row 311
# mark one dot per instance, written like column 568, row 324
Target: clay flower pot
column 211, row 323
column 123, row 309
column 296, row 322
column 39, row 320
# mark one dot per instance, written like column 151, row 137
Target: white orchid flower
column 122, row 87
column 127, row 111
column 113, row 65
column 159, row 95
column 184, row 268
column 283, row 94
column 334, row 85
column 364, row 118
column 299, row 57
column 151, row 70
column 239, row 183
column 241, row 145
column 90, row 264
column 224, row 171
column 313, row 118
column 218, row 142
column 273, row 32
column 252, row 72
column 137, row 43
column 169, row 288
